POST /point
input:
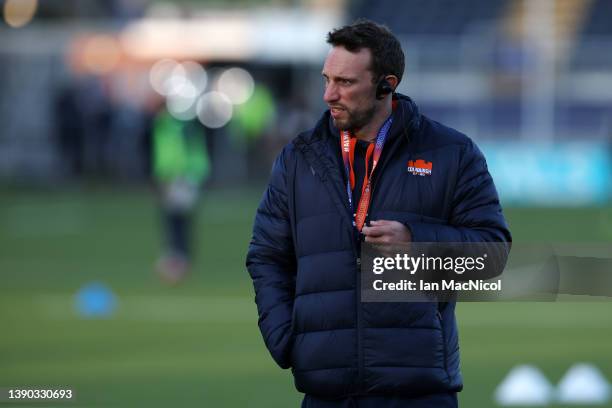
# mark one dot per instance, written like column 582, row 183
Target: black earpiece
column 383, row 88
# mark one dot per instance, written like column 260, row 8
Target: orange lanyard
column 347, row 146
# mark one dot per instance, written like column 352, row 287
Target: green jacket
column 179, row 150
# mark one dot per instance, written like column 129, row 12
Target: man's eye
column 346, row 82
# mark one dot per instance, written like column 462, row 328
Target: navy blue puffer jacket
column 304, row 259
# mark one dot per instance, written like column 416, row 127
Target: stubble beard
column 356, row 119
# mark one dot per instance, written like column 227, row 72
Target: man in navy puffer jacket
column 348, row 180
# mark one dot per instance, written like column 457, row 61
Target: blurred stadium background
column 80, row 82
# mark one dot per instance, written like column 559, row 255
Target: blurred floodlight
column 181, row 84
column 186, row 115
column 214, row 109
column 210, row 38
column 18, row 13
column 181, row 104
column 196, row 75
column 176, row 81
column 229, row 35
column 101, row 54
column 237, row 84
column 168, row 77
column 160, row 74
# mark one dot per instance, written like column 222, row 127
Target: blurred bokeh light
column 214, row 109
column 237, row 84
column 18, row 13
column 101, row 54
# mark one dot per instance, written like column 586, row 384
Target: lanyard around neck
column 347, row 146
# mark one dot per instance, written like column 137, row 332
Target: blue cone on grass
column 95, row 300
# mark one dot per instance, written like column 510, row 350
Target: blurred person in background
column 252, row 122
column 253, row 118
column 346, row 180
column 181, row 165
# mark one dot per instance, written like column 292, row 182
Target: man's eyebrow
column 339, row 78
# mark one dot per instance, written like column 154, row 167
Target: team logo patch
column 419, row 167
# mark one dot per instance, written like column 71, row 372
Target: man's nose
column 331, row 93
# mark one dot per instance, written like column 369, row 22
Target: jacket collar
column 406, row 122
column 318, row 151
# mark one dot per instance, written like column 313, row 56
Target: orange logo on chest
column 419, row 167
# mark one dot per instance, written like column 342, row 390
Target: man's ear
column 393, row 81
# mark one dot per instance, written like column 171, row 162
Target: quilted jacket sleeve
column 476, row 214
column 272, row 266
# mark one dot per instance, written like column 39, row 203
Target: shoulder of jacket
column 434, row 134
column 287, row 153
column 314, row 134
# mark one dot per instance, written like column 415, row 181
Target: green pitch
column 198, row 344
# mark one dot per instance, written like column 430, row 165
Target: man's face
column 349, row 90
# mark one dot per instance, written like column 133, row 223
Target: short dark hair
column 387, row 54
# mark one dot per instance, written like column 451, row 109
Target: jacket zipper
column 359, row 326
column 360, row 363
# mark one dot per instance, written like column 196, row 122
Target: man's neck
column 370, row 131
